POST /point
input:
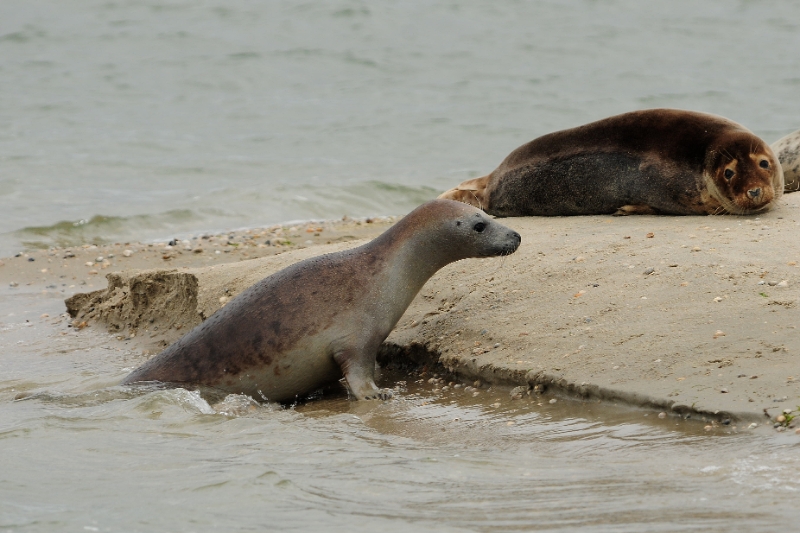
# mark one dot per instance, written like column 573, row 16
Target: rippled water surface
column 124, row 120
column 83, row 454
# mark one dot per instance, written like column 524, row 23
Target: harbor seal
column 787, row 149
column 308, row 324
column 657, row 161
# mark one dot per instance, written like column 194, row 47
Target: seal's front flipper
column 359, row 373
column 640, row 209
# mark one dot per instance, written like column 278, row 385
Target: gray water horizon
column 131, row 120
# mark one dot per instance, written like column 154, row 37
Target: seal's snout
column 515, row 239
column 754, row 193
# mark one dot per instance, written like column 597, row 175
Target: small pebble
column 99, row 259
column 31, row 259
column 717, row 299
column 127, row 253
column 719, row 333
column 495, row 405
column 695, row 248
column 649, row 271
column 780, row 419
column 662, row 415
column 89, row 264
column 708, row 428
column 752, row 426
column 553, row 400
column 723, row 390
column 772, row 283
column 13, row 284
column 783, row 283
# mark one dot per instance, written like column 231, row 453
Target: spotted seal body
column 658, row 161
column 307, row 325
column 787, row 149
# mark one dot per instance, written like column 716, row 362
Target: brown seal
column 658, row 161
column 303, row 327
column 788, row 151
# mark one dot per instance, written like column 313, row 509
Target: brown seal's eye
column 764, row 163
column 728, row 173
column 479, row 227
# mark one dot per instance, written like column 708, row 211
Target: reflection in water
column 90, row 454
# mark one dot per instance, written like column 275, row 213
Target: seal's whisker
column 480, row 204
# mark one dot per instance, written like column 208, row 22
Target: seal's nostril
column 754, row 193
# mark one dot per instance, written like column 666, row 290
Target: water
column 83, row 454
column 123, row 120
column 144, row 120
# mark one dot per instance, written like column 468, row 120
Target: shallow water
column 82, row 453
column 128, row 120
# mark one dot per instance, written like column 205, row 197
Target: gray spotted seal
column 788, row 151
column 657, row 161
column 307, row 325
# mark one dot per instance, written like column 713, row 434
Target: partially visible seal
column 307, row 325
column 658, row 161
column 788, row 151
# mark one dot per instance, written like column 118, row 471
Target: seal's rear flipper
column 472, row 192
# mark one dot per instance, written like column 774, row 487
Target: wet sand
column 690, row 316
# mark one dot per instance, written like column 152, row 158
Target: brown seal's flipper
column 472, row 192
column 635, row 210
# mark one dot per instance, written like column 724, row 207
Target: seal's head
column 743, row 174
column 453, row 230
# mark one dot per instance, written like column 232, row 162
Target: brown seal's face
column 744, row 175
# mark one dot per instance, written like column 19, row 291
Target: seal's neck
column 411, row 253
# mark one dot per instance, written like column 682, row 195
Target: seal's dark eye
column 764, row 163
column 728, row 173
column 479, row 227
